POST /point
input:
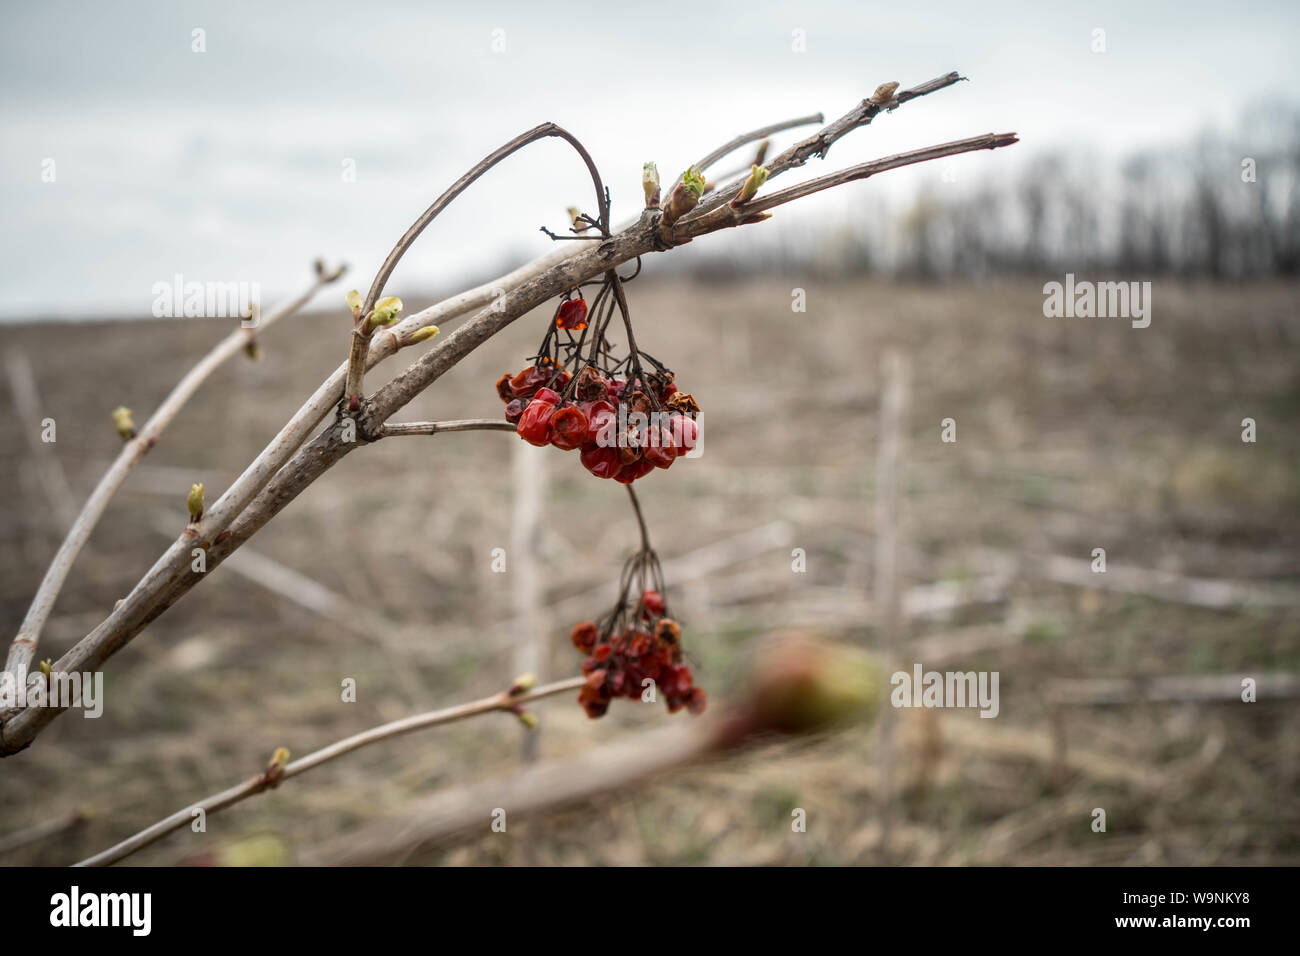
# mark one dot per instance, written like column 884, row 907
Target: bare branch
column 820, row 142
column 23, row 647
column 738, row 215
column 505, row 701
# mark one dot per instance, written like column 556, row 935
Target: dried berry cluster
column 624, row 664
column 626, row 417
column 626, row 420
column 636, row 649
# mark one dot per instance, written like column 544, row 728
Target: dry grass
column 1072, row 434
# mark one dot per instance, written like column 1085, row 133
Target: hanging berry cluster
column 625, row 419
column 636, row 646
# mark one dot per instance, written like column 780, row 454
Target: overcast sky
column 227, row 165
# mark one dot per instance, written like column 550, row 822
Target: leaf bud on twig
column 684, row 196
column 650, row 183
column 123, row 423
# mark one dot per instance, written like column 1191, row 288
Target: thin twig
column 433, row 428
column 754, row 136
column 820, row 142
column 23, row 647
column 242, row 791
column 751, row 211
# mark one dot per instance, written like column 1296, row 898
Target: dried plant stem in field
column 504, row 701
column 286, row 466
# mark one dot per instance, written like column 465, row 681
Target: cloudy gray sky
column 226, row 165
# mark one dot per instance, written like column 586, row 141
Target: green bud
column 650, row 183
column 757, row 176
column 421, row 335
column 802, row 684
column 123, row 423
column 195, row 502
column 354, row 301
column 684, row 197
column 522, row 684
column 384, row 313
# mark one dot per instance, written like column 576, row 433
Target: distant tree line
column 1222, row 206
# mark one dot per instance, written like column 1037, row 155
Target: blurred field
column 1072, row 435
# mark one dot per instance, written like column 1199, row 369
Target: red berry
column 547, row 396
column 637, row 469
column 614, row 681
column 585, row 636
column 659, row 449
column 602, row 418
column 603, row 652
column 685, row 432
column 535, row 424
column 504, row 389
column 572, row 315
column 601, row 462
column 653, row 602
column 514, row 409
column 570, row 428
column 529, row 381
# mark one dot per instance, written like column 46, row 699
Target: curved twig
column 360, row 347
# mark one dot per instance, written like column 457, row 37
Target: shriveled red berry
column 603, row 652
column 614, row 682
column 527, row 382
column 685, row 432
column 585, row 636
column 591, row 386
column 653, row 602
column 659, row 449
column 569, row 428
column 640, row 644
column 547, row 396
column 514, row 409
column 535, row 424
column 602, row 424
column 630, row 473
column 504, row 389
column 572, row 315
column 601, row 462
